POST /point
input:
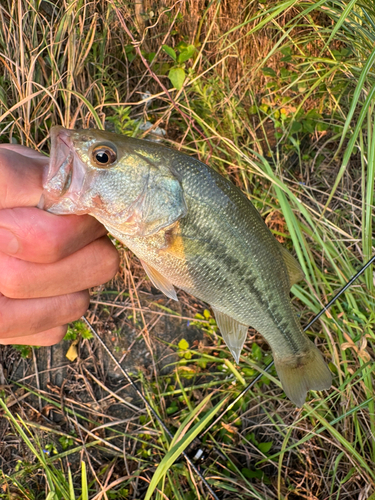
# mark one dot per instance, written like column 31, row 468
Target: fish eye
column 104, row 155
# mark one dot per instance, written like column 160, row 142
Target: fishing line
column 147, row 404
column 200, row 452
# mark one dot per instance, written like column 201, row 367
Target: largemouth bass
column 192, row 229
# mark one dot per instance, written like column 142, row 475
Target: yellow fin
column 233, row 332
column 294, row 269
column 300, row 374
column 159, row 281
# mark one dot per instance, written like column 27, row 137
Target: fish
column 194, row 230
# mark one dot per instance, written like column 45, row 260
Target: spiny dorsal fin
column 233, row 332
column 159, row 281
column 294, row 269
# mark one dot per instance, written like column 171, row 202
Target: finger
column 24, row 151
column 93, row 265
column 37, row 236
column 22, row 318
column 21, row 178
column 46, row 338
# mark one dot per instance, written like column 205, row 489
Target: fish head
column 123, row 182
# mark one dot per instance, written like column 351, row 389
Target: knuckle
column 12, row 284
column 45, row 237
column 36, row 233
column 53, row 247
column 80, row 302
column 111, row 261
column 4, row 320
column 54, row 337
column 104, row 260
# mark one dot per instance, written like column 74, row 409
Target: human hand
column 47, row 262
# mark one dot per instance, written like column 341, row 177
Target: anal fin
column 233, row 332
column 159, row 281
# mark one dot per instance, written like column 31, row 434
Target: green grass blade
column 71, row 486
column 367, row 230
column 339, row 23
column 351, row 144
column 178, row 448
column 188, row 420
column 356, row 95
column 85, row 493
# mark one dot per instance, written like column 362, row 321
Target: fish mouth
column 62, row 182
column 60, row 170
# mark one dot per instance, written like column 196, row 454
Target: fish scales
column 194, row 229
column 220, row 264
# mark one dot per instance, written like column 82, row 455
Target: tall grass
column 279, row 98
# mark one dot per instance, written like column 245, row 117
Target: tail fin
column 300, row 374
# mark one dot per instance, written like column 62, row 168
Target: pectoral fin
column 233, row 332
column 162, row 204
column 159, row 281
column 294, row 270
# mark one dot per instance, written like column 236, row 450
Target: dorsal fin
column 294, row 269
column 159, row 281
column 233, row 332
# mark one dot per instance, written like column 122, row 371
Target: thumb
column 21, row 176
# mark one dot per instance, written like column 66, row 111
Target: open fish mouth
column 63, row 180
column 60, row 172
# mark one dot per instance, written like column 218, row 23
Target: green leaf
column 249, row 372
column 296, row 127
column 168, row 50
column 251, row 474
column 177, row 77
column 202, row 362
column 321, row 126
column 187, row 53
column 313, row 114
column 308, row 126
column 151, row 56
column 171, row 409
column 269, row 72
column 183, row 345
column 257, row 352
column 265, row 447
column 181, row 46
column 286, row 51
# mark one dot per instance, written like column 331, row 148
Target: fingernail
column 8, row 242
